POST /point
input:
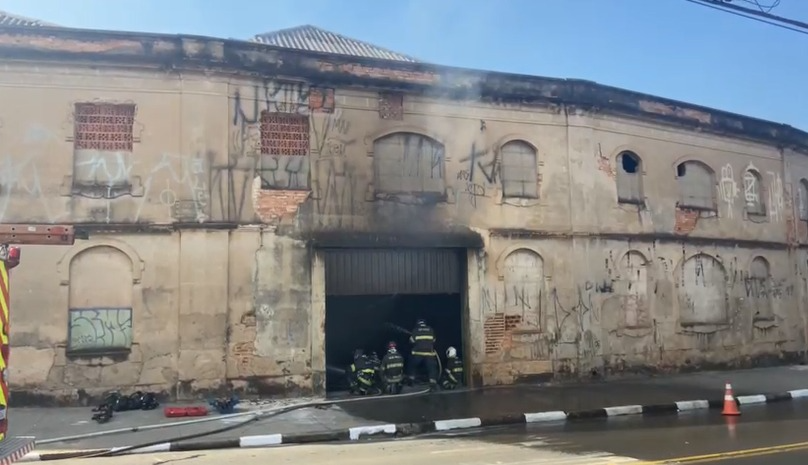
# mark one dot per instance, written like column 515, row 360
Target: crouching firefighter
column 423, row 354
column 361, row 374
column 453, row 372
column 392, row 370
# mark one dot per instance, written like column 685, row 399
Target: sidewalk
column 47, row 423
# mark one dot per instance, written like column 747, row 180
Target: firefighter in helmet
column 392, row 369
column 423, row 354
column 362, row 373
column 453, row 371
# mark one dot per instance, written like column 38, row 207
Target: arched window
column 696, row 186
column 757, row 290
column 629, row 178
column 802, row 200
column 752, row 192
column 702, row 292
column 100, row 301
column 524, row 282
column 519, row 170
column 407, row 163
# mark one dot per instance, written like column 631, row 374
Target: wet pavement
column 573, row 397
column 49, row 423
column 757, row 437
column 765, row 428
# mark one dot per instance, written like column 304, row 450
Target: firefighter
column 361, row 374
column 453, row 372
column 423, row 354
column 392, row 370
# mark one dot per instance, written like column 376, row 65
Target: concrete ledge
column 359, row 433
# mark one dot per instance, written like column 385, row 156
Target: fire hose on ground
column 253, row 417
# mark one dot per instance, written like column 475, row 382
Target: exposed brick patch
column 271, row 205
column 671, row 110
column 496, row 329
column 686, row 220
column 391, row 106
column 321, row 100
column 605, row 165
column 385, row 73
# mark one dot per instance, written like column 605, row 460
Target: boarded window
column 408, row 163
column 100, row 301
column 696, row 186
column 103, row 139
column 633, row 290
column 524, row 281
column 284, row 146
column 702, row 292
column 752, row 193
column 757, row 290
column 629, row 178
column 802, row 200
column 519, row 171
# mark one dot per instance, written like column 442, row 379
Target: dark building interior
column 374, row 296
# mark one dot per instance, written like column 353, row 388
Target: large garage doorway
column 374, row 295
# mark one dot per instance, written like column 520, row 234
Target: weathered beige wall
column 568, row 282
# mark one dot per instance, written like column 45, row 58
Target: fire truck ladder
column 14, row 448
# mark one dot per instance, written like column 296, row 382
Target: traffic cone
column 730, row 406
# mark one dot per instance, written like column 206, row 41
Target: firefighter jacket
column 423, row 340
column 392, row 367
column 454, row 370
column 363, row 371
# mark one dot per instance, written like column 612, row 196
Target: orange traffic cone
column 730, row 406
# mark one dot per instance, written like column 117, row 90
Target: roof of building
column 330, row 60
column 8, row 19
column 313, row 39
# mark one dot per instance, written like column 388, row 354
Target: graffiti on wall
column 776, row 194
column 469, row 189
column 728, row 188
column 99, row 329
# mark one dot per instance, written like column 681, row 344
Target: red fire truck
column 11, row 235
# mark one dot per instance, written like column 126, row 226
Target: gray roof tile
column 314, row 39
column 8, row 19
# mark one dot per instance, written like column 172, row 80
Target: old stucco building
column 241, row 194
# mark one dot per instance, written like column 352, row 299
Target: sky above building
column 670, row 48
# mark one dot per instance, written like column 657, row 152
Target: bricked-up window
column 696, row 186
column 519, row 171
column 752, row 183
column 408, row 163
column 284, row 149
column 105, row 127
column 802, row 199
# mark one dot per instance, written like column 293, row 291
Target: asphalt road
column 773, row 434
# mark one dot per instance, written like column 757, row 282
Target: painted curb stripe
column 412, row 429
column 460, row 423
column 355, row 433
column 624, row 410
column 747, row 400
column 260, row 441
column 545, row 416
column 686, row 405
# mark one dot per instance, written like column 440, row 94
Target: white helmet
column 451, row 352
